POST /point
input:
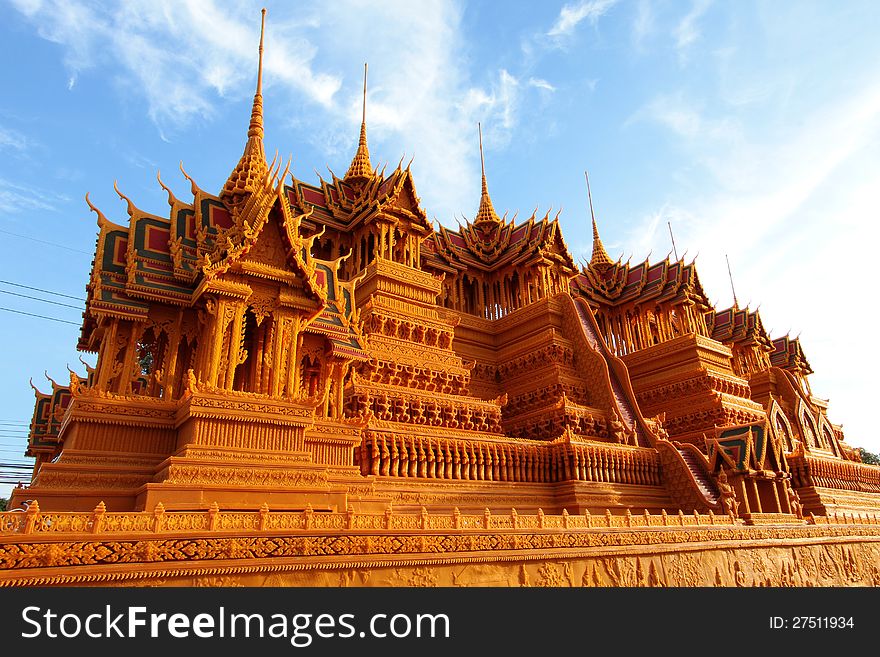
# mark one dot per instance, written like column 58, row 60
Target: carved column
column 170, row 365
column 213, row 333
column 107, row 355
column 235, row 347
column 126, row 373
column 279, row 325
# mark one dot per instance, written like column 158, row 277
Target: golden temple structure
column 306, row 383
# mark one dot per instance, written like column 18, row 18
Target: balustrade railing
column 831, row 473
column 399, row 455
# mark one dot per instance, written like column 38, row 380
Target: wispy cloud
column 643, row 24
column 500, row 101
column 177, row 55
column 16, row 198
column 572, row 15
column 687, row 32
column 540, row 83
column 796, row 209
column 685, row 117
column 12, row 140
column 185, row 59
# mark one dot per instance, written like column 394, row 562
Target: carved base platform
column 267, row 548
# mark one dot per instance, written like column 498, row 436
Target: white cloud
column 643, row 25
column 570, row 16
column 27, row 7
column 540, row 83
column 687, row 32
column 12, row 139
column 685, row 117
column 15, row 198
column 182, row 58
column 499, row 103
column 795, row 210
column 178, row 55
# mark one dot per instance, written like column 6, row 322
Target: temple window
column 150, row 354
column 311, row 376
column 249, row 374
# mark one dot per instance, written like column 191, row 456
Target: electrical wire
column 38, row 289
column 27, row 296
column 34, row 239
column 53, row 319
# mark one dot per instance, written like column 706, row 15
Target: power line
column 27, row 296
column 37, row 289
column 53, row 319
column 34, row 239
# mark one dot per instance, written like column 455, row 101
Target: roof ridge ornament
column 172, row 199
column 102, row 220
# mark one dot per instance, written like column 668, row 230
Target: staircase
column 704, row 482
column 626, row 406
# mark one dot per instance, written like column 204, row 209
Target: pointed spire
column 251, row 169
column 255, row 130
column 361, row 168
column 672, row 237
column 600, row 257
column 732, row 289
column 486, row 211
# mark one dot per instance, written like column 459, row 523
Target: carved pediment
column 269, row 248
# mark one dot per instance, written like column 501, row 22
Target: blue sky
column 754, row 128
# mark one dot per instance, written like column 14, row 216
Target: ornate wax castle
column 321, row 354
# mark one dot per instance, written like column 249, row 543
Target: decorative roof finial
column 600, row 259
column 486, row 211
column 361, row 168
column 251, row 170
column 732, row 289
column 364, row 104
column 256, row 127
column 672, row 237
column 482, row 159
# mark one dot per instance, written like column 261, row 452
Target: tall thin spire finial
column 482, row 160
column 260, row 65
column 256, row 127
column 672, row 237
column 361, row 168
column 252, row 165
column 590, row 198
column 732, row 289
column 600, row 258
column 486, row 212
column 364, row 109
